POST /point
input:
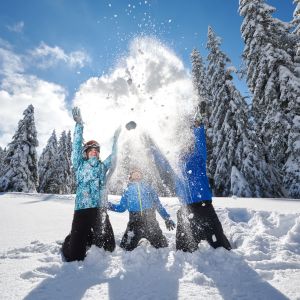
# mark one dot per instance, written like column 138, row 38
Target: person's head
column 91, row 149
column 135, row 175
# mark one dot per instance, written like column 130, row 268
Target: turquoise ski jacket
column 91, row 174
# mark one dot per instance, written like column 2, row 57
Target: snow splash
column 149, row 86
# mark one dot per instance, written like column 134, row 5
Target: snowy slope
column 265, row 262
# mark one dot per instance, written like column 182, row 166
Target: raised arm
column 200, row 145
column 160, row 160
column 163, row 165
column 111, row 161
column 78, row 139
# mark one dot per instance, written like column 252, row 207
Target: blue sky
column 103, row 29
column 49, row 48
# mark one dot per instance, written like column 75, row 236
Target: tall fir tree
column 2, row 160
column 237, row 163
column 200, row 81
column 272, row 78
column 64, row 164
column 296, row 20
column 48, row 167
column 20, row 174
column 222, row 157
column 296, row 31
column 201, row 87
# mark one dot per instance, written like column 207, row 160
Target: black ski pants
column 196, row 222
column 90, row 226
column 143, row 225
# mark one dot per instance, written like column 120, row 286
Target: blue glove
column 77, row 115
column 170, row 224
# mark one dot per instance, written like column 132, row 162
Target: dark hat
column 91, row 144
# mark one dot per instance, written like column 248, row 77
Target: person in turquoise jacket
column 91, row 223
column 142, row 201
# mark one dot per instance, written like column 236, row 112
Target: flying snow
column 149, row 86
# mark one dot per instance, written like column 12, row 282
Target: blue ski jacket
column 91, row 174
column 194, row 186
column 137, row 197
column 191, row 185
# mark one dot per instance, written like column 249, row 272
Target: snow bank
column 264, row 264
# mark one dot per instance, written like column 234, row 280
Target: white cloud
column 10, row 63
column 17, row 27
column 18, row 90
column 45, row 56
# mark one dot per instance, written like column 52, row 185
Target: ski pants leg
column 75, row 244
column 185, row 240
column 141, row 226
column 134, row 233
column 103, row 235
column 89, row 226
column 213, row 229
column 154, row 235
column 199, row 222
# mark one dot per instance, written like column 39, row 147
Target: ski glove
column 170, row 224
column 77, row 115
column 109, row 205
column 198, row 119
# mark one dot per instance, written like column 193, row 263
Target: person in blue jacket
column 196, row 219
column 91, row 223
column 142, row 201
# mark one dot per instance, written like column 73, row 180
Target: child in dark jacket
column 142, row 201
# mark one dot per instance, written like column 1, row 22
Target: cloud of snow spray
column 149, row 86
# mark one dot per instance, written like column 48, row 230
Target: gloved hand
column 77, row 115
column 170, row 224
column 109, row 205
column 198, row 119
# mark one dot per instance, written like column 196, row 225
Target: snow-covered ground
column 264, row 264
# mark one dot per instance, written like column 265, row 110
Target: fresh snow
column 264, row 264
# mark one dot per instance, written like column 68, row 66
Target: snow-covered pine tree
column 20, row 174
column 201, row 86
column 296, row 20
column 2, row 160
column 296, row 31
column 271, row 76
column 238, row 162
column 291, row 167
column 47, row 167
column 222, row 157
column 200, row 81
column 64, row 165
